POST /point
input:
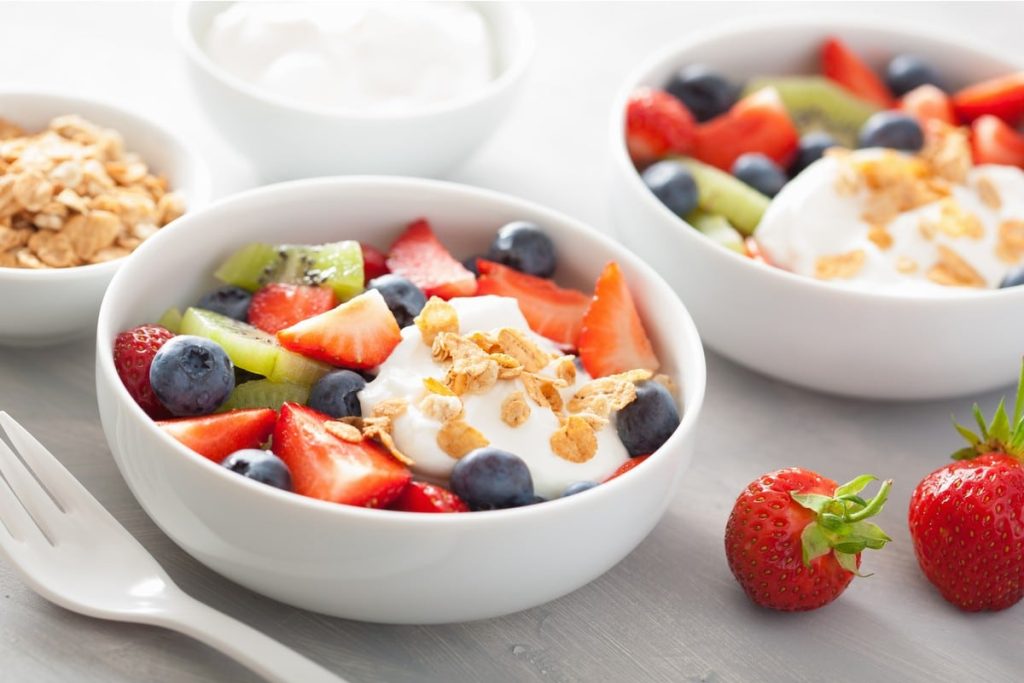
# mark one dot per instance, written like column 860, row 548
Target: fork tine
column 17, row 525
column 62, row 485
column 36, row 501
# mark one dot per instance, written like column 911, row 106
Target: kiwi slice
column 170, row 320
column 816, row 103
column 262, row 393
column 338, row 264
column 252, row 349
column 717, row 229
column 721, row 194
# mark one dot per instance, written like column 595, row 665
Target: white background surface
column 669, row 612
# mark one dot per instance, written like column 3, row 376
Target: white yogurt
column 370, row 57
column 415, row 434
column 809, row 219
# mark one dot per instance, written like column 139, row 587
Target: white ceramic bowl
column 288, row 140
column 54, row 305
column 379, row 565
column 885, row 346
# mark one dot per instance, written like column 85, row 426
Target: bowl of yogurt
column 873, row 271
column 306, row 89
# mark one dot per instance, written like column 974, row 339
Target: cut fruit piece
column 280, row 305
column 420, row 257
column 627, row 466
column 757, row 123
column 753, row 249
column 1001, row 97
column 262, row 393
column 550, row 310
column 817, row 104
column 613, row 338
column 842, row 65
column 360, row 333
column 170, row 320
column 420, row 496
column 252, row 349
column 375, row 263
column 657, row 124
column 218, row 436
column 994, row 142
column 325, row 467
column 927, row 103
column 720, row 193
column 338, row 265
column 718, row 229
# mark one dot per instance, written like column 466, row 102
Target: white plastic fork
column 72, row 552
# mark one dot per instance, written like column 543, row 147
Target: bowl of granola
column 844, row 212
column 82, row 184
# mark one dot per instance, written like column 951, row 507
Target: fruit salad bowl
column 871, row 343
column 53, row 305
column 384, row 565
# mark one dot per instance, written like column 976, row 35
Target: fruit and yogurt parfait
column 407, row 381
column 879, row 183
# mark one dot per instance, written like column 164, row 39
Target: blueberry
column 335, row 394
column 525, row 247
column 405, row 299
column 578, row 487
column 891, row 129
column 490, row 479
column 906, row 72
column 811, row 148
column 646, row 423
column 262, row 466
column 538, row 499
column 673, row 184
column 1013, row 279
column 470, row 263
column 191, row 375
column 705, row 93
column 227, row 300
column 760, row 172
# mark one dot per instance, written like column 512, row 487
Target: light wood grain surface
column 670, row 611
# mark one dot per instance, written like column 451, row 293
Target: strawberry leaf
column 999, row 429
column 815, row 543
column 871, row 534
column 1018, row 402
column 848, row 562
column 855, row 486
column 971, row 437
column 980, row 419
column 812, row 501
column 966, row 453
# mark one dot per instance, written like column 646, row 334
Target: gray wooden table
column 670, row 611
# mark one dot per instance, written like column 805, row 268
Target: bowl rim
column 692, row 351
column 515, row 16
column 825, row 24
column 198, row 170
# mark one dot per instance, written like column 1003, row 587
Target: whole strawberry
column 794, row 538
column 133, row 354
column 967, row 518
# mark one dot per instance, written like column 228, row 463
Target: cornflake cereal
column 839, row 265
column 70, row 196
column 514, row 409
column 436, row 317
column 457, row 438
column 575, row 440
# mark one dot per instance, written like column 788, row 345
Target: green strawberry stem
column 1000, row 435
column 840, row 527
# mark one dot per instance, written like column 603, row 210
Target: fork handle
column 254, row 650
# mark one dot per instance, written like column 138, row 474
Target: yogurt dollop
column 415, row 433
column 371, row 57
column 814, row 228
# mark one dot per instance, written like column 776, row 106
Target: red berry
column 133, row 354
column 1002, row 97
column 657, row 124
column 419, row 256
column 218, row 436
column 612, row 337
column 994, row 142
column 757, row 123
column 778, row 558
column 928, row 103
column 374, row 263
column 280, row 305
column 627, row 466
column 840, row 63
column 419, row 496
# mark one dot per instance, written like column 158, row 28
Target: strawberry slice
column 1002, row 97
column 928, row 103
column 374, row 263
column 627, row 466
column 134, row 350
column 842, row 65
column 757, row 123
column 326, row 467
column 360, row 333
column 419, row 256
column 994, row 142
column 613, row 338
column 551, row 311
column 218, row 436
column 280, row 305
column 657, row 124
column 420, row 496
